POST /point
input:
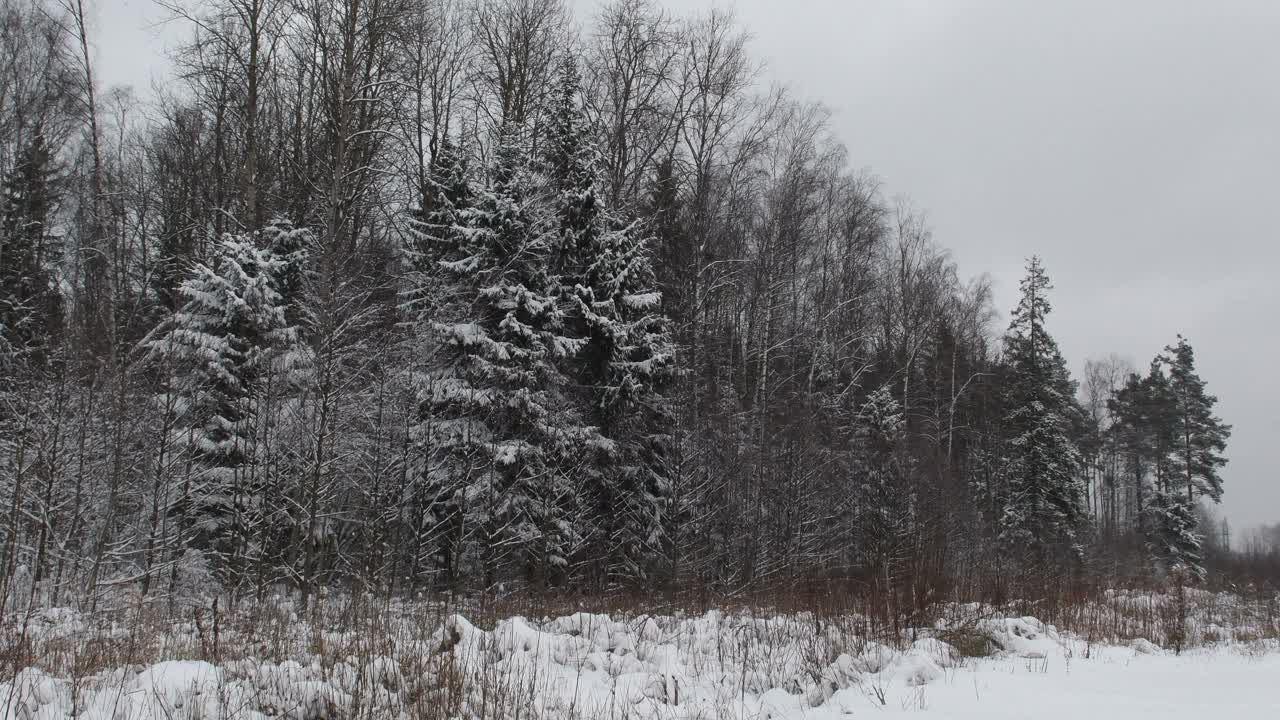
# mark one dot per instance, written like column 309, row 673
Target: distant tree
column 1142, row 431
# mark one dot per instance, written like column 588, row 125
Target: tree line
column 428, row 295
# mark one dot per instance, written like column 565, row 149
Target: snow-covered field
column 1201, row 684
column 590, row 666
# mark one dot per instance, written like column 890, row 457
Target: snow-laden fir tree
column 229, row 349
column 885, row 502
column 437, row 293
column 1173, row 536
column 435, row 228
column 1044, row 498
column 30, row 307
column 290, row 247
column 505, row 439
column 608, row 289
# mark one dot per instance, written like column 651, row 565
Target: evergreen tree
column 226, row 346
column 886, row 505
column 1157, row 416
column 30, row 306
column 1130, row 433
column 609, row 291
column 1168, row 421
column 435, row 227
column 289, row 247
column 1148, row 430
column 1198, row 437
column 1144, row 428
column 440, row 291
column 1045, row 503
column 507, row 441
column 1174, row 540
column 186, row 203
column 571, row 168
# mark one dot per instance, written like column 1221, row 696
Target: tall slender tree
column 30, row 303
column 607, row 285
column 1200, row 437
column 1044, row 510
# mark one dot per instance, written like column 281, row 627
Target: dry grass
column 379, row 653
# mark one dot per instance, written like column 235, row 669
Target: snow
column 717, row 665
column 1115, row 683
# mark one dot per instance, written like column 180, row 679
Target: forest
column 468, row 296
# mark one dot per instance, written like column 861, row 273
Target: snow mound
column 1143, row 646
column 1023, row 637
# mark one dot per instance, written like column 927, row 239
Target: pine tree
column 607, row 285
column 1168, row 420
column 225, row 347
column 1045, row 503
column 1199, row 438
column 1157, row 416
column 1166, row 427
column 1130, row 436
column 1144, row 428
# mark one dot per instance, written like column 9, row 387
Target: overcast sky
column 1132, row 145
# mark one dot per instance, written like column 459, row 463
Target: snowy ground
column 706, row 667
column 1116, row 683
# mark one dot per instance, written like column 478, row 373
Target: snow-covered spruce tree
column 497, row 421
column 288, row 406
column 291, row 247
column 608, row 289
column 885, row 509
column 30, row 307
column 1044, row 506
column 1173, row 538
column 434, row 229
column 228, row 347
column 437, row 293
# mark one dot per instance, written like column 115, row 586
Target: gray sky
column 1132, row 145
